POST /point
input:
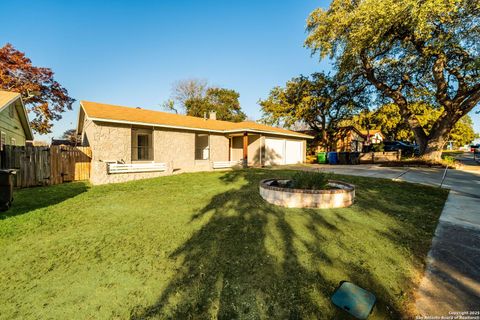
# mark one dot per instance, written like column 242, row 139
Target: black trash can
column 343, row 157
column 354, row 157
column 6, row 189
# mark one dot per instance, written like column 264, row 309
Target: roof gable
column 119, row 114
column 372, row 132
column 7, row 98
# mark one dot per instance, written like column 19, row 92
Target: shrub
column 378, row 147
column 309, row 180
column 449, row 161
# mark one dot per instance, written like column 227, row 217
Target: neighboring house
column 373, row 136
column 349, row 139
column 138, row 142
column 14, row 125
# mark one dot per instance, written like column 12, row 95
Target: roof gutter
column 29, row 129
column 200, row 129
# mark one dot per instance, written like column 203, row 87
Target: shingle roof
column 112, row 113
column 371, row 132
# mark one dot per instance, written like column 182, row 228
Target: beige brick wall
column 255, row 142
column 219, row 147
column 255, row 149
column 110, row 142
column 113, row 142
column 176, row 148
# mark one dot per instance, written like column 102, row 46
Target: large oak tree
column 44, row 97
column 320, row 101
column 411, row 51
column 387, row 118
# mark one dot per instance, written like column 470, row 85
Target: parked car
column 475, row 148
column 416, row 149
column 406, row 148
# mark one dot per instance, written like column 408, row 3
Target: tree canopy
column 43, row 96
column 70, row 134
column 224, row 102
column 320, row 101
column 387, row 119
column 194, row 97
column 411, row 52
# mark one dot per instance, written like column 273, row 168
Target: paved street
column 452, row 278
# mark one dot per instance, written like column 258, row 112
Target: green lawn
column 451, row 154
column 205, row 245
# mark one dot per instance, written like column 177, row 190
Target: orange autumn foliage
column 44, row 97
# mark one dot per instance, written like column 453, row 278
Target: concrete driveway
column 452, row 278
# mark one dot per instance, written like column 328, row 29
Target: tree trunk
column 431, row 148
column 324, row 134
column 325, row 140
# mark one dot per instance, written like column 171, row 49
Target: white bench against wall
column 226, row 164
column 136, row 167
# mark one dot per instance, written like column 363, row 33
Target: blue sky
column 130, row 52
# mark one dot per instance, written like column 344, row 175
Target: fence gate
column 38, row 166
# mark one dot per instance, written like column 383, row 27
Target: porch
column 258, row 150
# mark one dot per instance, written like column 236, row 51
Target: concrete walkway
column 452, row 278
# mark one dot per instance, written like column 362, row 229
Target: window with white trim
column 13, row 141
column 202, row 146
column 142, row 144
column 3, row 139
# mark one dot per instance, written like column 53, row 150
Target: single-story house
column 134, row 143
column 14, row 125
column 373, row 136
column 347, row 138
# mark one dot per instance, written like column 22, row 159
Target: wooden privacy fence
column 37, row 166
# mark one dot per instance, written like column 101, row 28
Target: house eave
column 156, row 125
column 23, row 115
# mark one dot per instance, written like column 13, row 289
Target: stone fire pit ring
column 341, row 196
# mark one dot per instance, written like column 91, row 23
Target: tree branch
column 439, row 78
column 397, row 97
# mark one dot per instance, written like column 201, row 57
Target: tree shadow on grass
column 416, row 210
column 29, row 199
column 248, row 262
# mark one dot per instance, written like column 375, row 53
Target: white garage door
column 294, row 152
column 282, row 151
column 274, row 151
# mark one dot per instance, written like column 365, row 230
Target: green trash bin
column 322, row 157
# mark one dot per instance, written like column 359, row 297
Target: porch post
column 245, row 149
column 230, row 149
